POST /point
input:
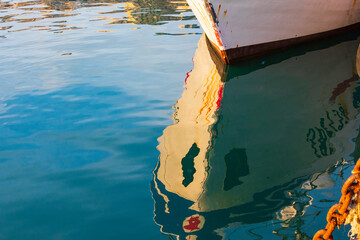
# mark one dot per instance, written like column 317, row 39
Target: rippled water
column 117, row 121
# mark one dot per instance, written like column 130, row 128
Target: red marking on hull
column 218, row 36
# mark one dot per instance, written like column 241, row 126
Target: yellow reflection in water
column 151, row 12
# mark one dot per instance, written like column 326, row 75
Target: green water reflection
column 249, row 140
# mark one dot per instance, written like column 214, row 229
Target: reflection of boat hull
column 242, row 29
column 171, row 210
column 243, row 138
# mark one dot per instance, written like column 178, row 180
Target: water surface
column 117, row 121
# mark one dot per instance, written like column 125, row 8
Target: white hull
column 233, row 24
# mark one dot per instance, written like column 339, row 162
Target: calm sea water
column 117, row 121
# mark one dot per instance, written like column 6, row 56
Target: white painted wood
column 249, row 22
column 203, row 15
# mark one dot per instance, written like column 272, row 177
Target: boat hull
column 249, row 28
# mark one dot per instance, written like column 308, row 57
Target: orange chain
column 337, row 214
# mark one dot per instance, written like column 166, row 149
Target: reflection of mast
column 275, row 128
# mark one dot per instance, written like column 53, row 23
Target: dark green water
column 100, row 138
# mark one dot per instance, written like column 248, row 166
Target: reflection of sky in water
column 82, row 104
column 41, row 60
column 71, row 165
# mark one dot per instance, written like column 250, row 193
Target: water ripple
column 17, row 15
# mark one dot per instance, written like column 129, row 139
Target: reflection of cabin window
column 188, row 165
column 236, row 167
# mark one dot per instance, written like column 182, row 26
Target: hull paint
column 234, row 55
column 242, row 29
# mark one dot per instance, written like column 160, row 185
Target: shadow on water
column 245, row 136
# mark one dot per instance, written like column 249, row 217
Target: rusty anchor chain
column 337, row 214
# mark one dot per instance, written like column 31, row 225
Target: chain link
column 337, row 214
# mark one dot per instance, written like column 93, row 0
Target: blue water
column 87, row 91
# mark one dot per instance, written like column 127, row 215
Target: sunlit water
column 117, row 121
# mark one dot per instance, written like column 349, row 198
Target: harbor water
column 119, row 121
